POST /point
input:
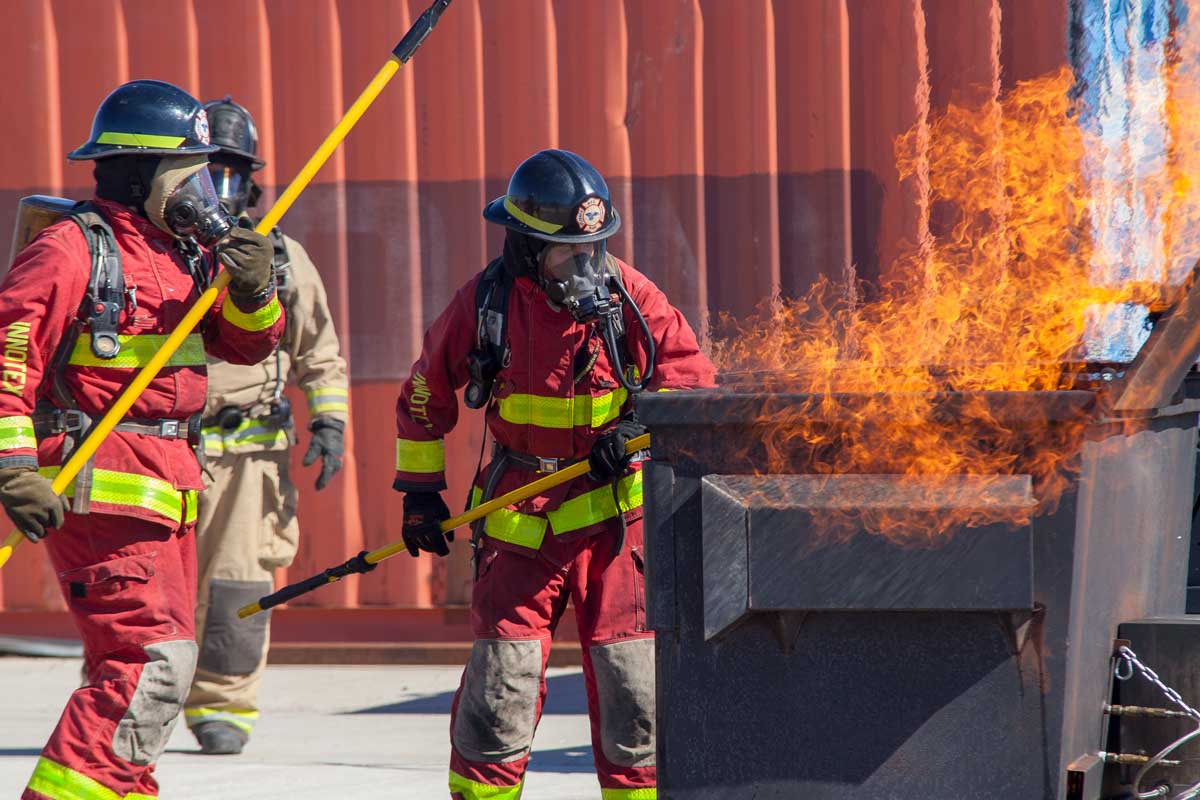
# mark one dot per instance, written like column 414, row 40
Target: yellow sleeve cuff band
column 255, row 321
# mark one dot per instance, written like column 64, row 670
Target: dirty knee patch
column 497, row 709
column 625, row 688
column 142, row 733
column 232, row 646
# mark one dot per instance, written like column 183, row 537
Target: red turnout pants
column 131, row 587
column 515, row 607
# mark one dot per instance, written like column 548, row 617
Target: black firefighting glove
column 247, row 257
column 328, row 444
column 424, row 513
column 30, row 502
column 608, row 458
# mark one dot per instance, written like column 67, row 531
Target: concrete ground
column 349, row 733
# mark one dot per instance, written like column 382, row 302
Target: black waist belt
column 549, row 465
column 230, row 418
column 74, row 424
column 536, row 463
column 69, row 420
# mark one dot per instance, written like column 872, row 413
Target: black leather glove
column 608, row 458
column 247, row 257
column 328, row 444
column 30, row 502
column 424, row 513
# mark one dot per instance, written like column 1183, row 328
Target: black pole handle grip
column 356, row 565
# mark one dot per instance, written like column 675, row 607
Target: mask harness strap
column 612, row 332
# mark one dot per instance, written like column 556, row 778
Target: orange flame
column 1000, row 301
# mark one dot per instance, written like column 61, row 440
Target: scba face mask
column 575, row 277
column 184, row 203
column 233, row 187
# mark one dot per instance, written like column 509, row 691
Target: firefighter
column 86, row 304
column 553, row 338
column 247, row 523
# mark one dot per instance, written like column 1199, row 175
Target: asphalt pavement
column 346, row 733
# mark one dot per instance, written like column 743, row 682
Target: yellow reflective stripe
column 136, row 351
column 529, row 219
column 589, row 508
column 473, row 790
column 250, row 432
column 61, row 783
column 190, row 497
column 129, row 489
column 136, row 796
column 137, row 491
column 328, row 400
column 596, row 505
column 259, row 320
column 214, row 445
column 241, row 719
column 17, row 433
column 417, row 456
column 643, row 793
column 563, row 412
column 524, row 530
column 139, row 139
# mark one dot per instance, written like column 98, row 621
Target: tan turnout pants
column 246, row 528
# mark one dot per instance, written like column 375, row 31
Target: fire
column 1002, row 298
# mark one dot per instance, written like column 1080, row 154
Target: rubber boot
column 220, row 738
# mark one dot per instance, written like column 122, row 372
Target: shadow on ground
column 565, row 694
column 564, row 759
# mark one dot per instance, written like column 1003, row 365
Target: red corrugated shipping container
column 749, row 144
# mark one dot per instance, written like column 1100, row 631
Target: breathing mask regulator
column 184, row 202
column 577, row 278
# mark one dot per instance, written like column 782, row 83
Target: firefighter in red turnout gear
column 121, row 540
column 554, row 338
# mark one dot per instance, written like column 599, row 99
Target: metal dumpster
column 796, row 662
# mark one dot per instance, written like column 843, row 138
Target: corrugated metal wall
column 749, row 144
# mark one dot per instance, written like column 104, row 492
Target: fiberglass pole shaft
column 365, row 561
column 400, row 55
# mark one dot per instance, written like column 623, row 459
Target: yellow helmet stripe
column 139, row 139
column 529, row 219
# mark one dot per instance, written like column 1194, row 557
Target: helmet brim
column 496, row 213
column 254, row 161
column 92, row 151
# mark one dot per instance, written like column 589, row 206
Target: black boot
column 219, row 738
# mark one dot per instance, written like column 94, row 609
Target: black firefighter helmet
column 234, row 131
column 556, row 196
column 146, row 118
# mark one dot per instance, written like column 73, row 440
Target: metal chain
column 1130, row 657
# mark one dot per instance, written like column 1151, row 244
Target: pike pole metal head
column 419, row 31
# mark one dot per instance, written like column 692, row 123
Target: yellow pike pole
column 365, row 561
column 400, row 55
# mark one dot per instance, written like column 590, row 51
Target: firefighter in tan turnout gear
column 247, row 517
